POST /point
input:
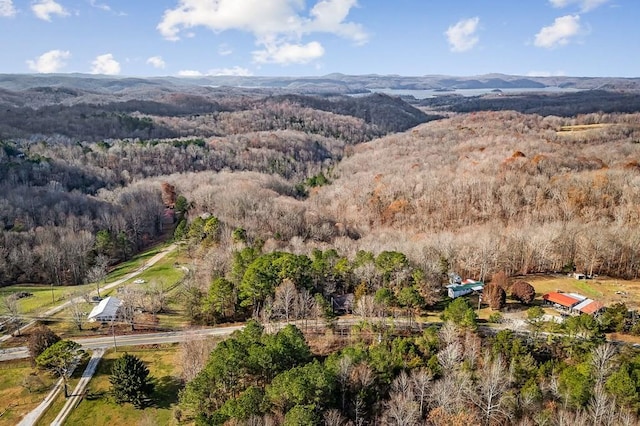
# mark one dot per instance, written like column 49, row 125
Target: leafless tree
column 402, row 410
column 334, row 417
column 345, row 365
column 490, row 391
column 601, row 362
column 98, row 272
column 361, row 378
column 12, row 309
column 421, row 379
column 304, row 306
column 365, row 307
column 76, row 309
column 472, row 347
column 284, row 301
column 155, row 298
column 194, row 353
column 127, row 311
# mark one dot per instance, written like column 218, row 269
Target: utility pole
column 113, row 329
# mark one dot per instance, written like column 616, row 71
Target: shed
column 592, row 308
column 106, row 310
column 560, row 299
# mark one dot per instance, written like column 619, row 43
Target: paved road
column 109, row 286
column 91, row 343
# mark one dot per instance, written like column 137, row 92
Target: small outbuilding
column 467, row 286
column 106, row 310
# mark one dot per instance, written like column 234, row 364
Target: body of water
column 430, row 93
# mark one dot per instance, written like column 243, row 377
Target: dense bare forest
column 480, row 192
column 286, row 203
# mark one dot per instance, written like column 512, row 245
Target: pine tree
column 130, row 381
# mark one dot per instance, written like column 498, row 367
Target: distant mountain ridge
column 331, row 83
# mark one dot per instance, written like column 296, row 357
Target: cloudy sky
column 317, row 37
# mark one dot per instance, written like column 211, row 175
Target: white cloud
column 44, row 9
column 546, row 74
column 224, row 50
column 101, row 6
column 584, row 5
column 287, row 53
column 156, row 62
column 559, row 33
column 277, row 25
column 237, row 71
column 49, row 62
column 190, row 73
column 462, row 35
column 105, row 64
column 6, row 9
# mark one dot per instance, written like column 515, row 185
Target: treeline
column 563, row 104
column 445, row 376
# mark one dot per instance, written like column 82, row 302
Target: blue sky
column 318, row 37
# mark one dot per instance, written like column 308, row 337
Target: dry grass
column 582, row 127
column 603, row 289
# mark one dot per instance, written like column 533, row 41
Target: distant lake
column 431, row 93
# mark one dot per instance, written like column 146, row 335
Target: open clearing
column 97, row 409
column 582, row 127
column 603, row 289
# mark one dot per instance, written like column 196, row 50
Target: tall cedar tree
column 130, row 381
column 523, row 291
column 494, row 296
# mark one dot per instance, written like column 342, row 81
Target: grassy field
column 603, row 289
column 42, row 296
column 98, row 409
column 15, row 399
column 582, row 127
column 167, row 273
column 46, row 296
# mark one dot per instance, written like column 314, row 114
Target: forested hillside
column 72, row 176
column 478, row 192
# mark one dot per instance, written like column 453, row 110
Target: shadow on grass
column 165, row 392
column 92, row 396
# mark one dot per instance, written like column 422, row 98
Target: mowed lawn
column 97, row 408
column 15, row 398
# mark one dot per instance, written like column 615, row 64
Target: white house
column 106, row 310
column 467, row 286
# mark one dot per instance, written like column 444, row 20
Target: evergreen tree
column 130, row 381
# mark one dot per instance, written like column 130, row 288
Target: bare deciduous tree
column 76, row 310
column 194, row 353
column 284, row 301
column 12, row 309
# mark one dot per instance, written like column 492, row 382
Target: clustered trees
column 285, row 286
column 442, row 377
